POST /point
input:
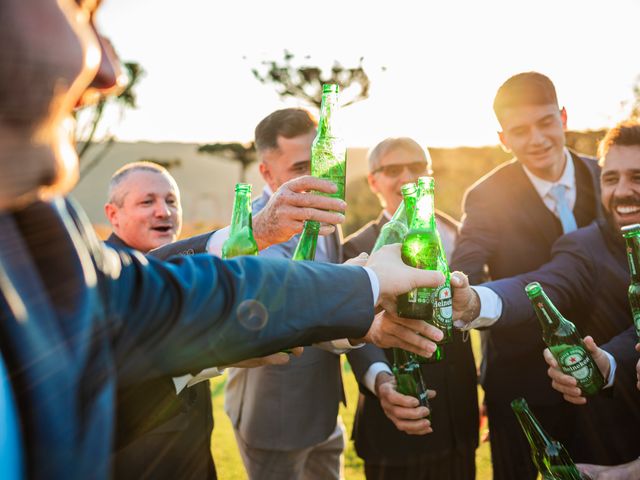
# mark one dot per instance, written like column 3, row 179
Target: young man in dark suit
column 394, row 446
column 512, row 217
column 587, row 279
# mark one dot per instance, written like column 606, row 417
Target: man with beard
column 587, row 280
column 512, row 217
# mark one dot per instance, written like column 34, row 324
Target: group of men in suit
column 83, row 325
column 514, row 226
column 513, row 216
column 80, row 321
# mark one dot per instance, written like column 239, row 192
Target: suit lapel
column 542, row 221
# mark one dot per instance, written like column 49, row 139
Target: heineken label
column 636, row 321
column 575, row 362
column 419, row 295
column 443, row 305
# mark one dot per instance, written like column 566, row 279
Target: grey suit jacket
column 293, row 406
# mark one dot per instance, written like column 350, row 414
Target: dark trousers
column 450, row 465
column 510, row 452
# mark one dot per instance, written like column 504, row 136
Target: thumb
column 590, row 343
column 459, row 280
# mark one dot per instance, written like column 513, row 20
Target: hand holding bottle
column 568, row 385
column 293, row 203
column 403, row 410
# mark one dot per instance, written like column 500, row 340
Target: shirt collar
column 267, row 190
column 386, row 214
column 568, row 178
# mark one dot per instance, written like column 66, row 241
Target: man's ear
column 111, row 211
column 503, row 142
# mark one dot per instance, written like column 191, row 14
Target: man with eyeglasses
column 389, row 429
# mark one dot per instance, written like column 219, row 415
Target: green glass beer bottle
column 395, row 229
column 240, row 241
column 422, row 248
column 306, row 248
column 328, row 152
column 409, row 377
column 549, row 456
column 442, row 300
column 565, row 343
column 631, row 235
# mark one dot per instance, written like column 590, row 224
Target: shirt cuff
column 187, row 380
column 490, row 310
column 375, row 284
column 343, row 345
column 215, row 242
column 369, row 379
column 613, row 365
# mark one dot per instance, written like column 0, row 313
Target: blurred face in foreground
column 145, row 210
column 50, row 56
column 620, row 184
column 535, row 136
column 396, row 167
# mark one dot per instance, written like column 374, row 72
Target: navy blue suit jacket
column 66, row 333
column 161, row 434
column 507, row 230
column 587, row 280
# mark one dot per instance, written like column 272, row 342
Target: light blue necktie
column 558, row 192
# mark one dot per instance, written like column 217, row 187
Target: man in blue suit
column 512, row 217
column 65, row 297
column 587, row 279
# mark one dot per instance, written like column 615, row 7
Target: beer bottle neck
column 409, row 203
column 537, row 437
column 548, row 315
column 327, row 108
column 633, row 256
column 424, row 217
column 401, row 357
column 306, row 249
column 241, row 216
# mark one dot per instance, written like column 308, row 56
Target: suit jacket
column 508, row 230
column 455, row 408
column 292, row 406
column 587, row 280
column 161, row 434
column 66, row 301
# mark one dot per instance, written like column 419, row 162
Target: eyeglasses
column 395, row 170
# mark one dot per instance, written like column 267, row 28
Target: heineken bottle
column 422, row 248
column 240, row 241
column 306, row 248
column 549, row 456
column 631, row 235
column 328, row 152
column 565, row 342
column 395, row 229
column 409, row 378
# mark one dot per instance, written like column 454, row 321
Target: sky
column 434, row 65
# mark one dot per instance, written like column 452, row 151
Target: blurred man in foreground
column 65, row 297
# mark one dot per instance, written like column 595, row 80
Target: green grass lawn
column 228, row 462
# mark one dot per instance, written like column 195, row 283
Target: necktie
column 558, row 193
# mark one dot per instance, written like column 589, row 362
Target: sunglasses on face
column 416, row 168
